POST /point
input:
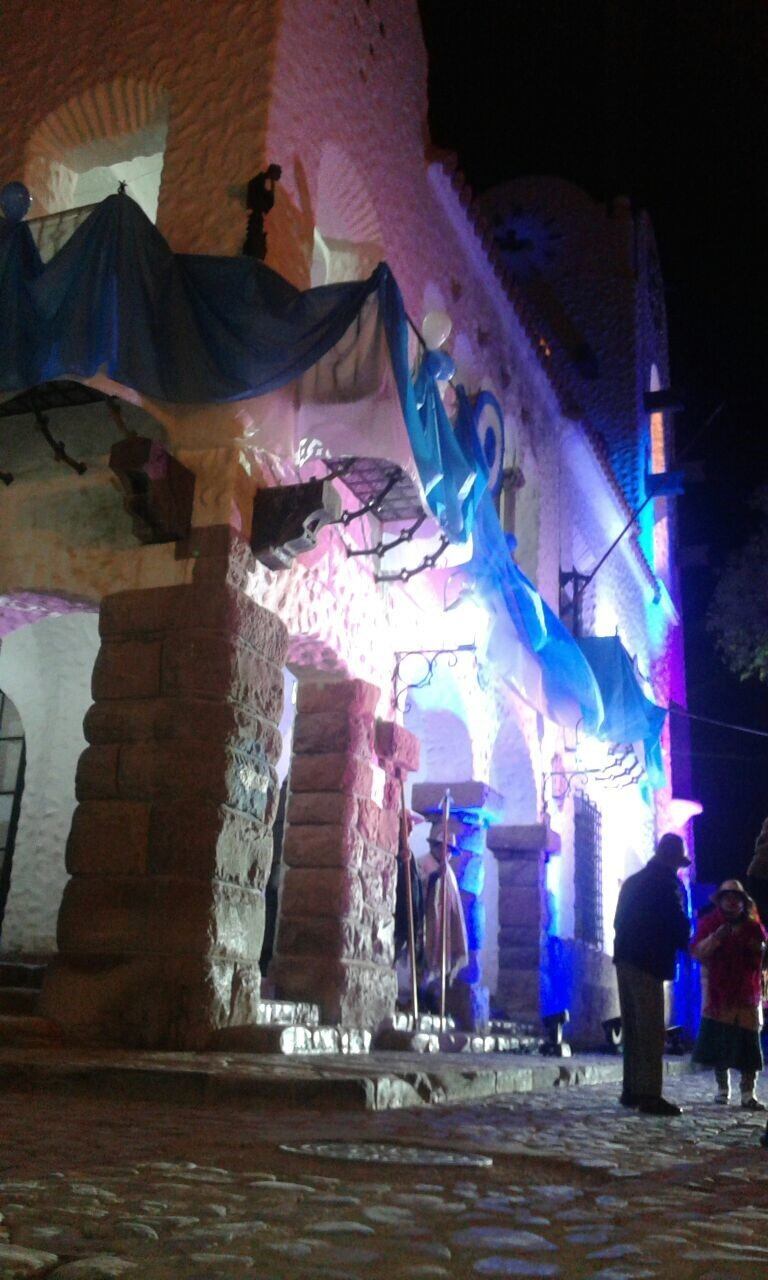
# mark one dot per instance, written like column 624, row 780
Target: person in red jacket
column 730, row 942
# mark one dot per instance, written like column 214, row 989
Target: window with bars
column 12, row 761
column 588, row 872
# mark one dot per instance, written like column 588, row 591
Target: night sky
column 665, row 101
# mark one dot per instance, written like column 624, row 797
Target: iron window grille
column 12, row 765
column 588, row 872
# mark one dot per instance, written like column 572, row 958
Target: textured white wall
column 46, row 670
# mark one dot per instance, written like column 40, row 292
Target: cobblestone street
column 578, row 1188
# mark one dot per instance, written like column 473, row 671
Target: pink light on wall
column 26, row 607
column 681, row 812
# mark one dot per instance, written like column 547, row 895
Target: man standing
column 651, row 926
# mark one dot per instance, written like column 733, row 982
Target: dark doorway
column 12, row 763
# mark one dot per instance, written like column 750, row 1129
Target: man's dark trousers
column 641, row 999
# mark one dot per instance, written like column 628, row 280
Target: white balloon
column 436, row 329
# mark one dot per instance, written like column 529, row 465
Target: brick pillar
column 161, row 924
column 335, row 934
column 521, row 854
column 473, row 804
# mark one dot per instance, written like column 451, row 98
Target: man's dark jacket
column 651, row 923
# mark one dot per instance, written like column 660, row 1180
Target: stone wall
column 162, row 920
column 335, row 937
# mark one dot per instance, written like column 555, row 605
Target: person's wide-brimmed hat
column 733, row 886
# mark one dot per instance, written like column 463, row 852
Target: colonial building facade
column 271, row 553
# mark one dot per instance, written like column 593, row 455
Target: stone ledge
column 537, row 837
column 466, row 797
column 374, row 1083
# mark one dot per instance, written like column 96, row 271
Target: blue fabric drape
column 629, row 715
column 193, row 329
column 20, row 265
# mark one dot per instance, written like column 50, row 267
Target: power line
column 677, row 710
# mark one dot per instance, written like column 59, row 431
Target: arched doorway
column 12, row 768
column 45, row 679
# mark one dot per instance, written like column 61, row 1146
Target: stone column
column 473, row 805
column 521, row 854
column 335, row 934
column 161, row 924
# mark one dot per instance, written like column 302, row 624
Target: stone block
column 379, row 883
column 523, row 872
column 352, row 697
column 524, row 934
column 148, row 1001
column 332, row 846
column 321, row 891
column 323, row 808
column 108, row 838
column 203, row 664
column 368, row 820
column 535, row 837
column 180, row 719
column 202, row 606
column 171, row 770
column 520, row 957
column 196, row 839
column 333, row 771
column 518, row 905
column 518, row 992
column 127, row 669
column 321, row 732
column 471, row 797
column 391, row 794
column 388, row 834
column 364, row 938
column 111, row 916
column 397, row 746
column 96, row 775
column 352, row 995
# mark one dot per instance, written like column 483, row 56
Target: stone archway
column 113, row 132
column 512, row 775
column 47, row 653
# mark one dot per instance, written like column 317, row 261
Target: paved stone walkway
column 92, row 1189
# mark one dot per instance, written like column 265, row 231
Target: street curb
column 375, row 1082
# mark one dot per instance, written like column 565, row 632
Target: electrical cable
column 677, row 710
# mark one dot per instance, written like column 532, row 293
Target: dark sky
column 665, row 101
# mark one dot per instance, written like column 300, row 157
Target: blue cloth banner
column 194, row 329
column 629, row 715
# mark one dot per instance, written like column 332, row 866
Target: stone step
column 18, row 999
column 20, row 973
column 395, row 1040
column 287, row 1013
column 291, row 1039
column 25, row 1032
column 427, row 1022
column 508, row 1027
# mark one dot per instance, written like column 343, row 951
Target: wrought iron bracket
column 57, row 446
column 429, row 562
column 611, row 775
column 430, row 657
column 381, row 547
